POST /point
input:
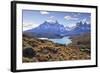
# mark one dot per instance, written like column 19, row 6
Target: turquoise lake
column 64, row 40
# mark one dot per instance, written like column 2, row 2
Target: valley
column 38, row 50
column 61, row 43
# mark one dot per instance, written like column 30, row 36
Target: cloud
column 49, row 20
column 88, row 22
column 84, row 20
column 44, row 12
column 76, row 14
column 71, row 25
column 29, row 26
column 70, row 18
column 51, row 17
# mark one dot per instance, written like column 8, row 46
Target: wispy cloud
column 44, row 12
column 85, row 20
column 76, row 14
column 51, row 17
column 29, row 26
column 70, row 18
column 50, row 20
column 71, row 25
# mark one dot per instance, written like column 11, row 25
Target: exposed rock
column 29, row 52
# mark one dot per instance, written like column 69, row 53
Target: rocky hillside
column 82, row 41
column 37, row 50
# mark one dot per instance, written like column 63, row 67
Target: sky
column 33, row 18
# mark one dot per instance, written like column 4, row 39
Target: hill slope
column 37, row 50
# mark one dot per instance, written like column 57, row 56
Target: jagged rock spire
column 56, row 22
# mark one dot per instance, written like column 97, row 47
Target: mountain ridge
column 57, row 30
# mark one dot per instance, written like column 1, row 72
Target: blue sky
column 33, row 18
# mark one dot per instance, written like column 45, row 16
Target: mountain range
column 80, row 28
column 57, row 30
